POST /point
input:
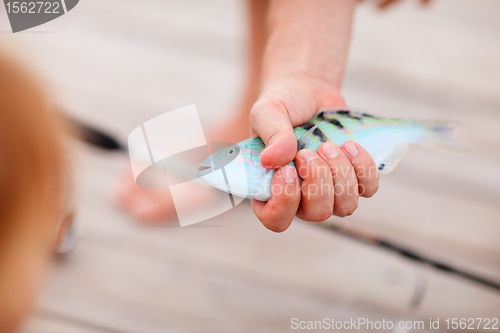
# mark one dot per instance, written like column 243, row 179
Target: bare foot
column 155, row 207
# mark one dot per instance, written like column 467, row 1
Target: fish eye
column 231, row 151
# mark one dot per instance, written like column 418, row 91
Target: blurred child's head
column 32, row 176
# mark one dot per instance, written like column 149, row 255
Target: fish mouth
column 219, row 180
column 202, row 167
column 205, row 168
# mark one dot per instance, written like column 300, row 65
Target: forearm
column 308, row 38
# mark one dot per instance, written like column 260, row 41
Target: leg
column 257, row 10
column 155, row 206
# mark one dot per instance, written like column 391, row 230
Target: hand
column 303, row 66
column 333, row 178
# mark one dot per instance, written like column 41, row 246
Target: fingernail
column 308, row 155
column 289, row 174
column 330, row 150
column 351, row 149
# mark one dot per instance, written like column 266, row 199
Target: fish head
column 237, row 170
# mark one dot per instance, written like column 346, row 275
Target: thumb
column 271, row 122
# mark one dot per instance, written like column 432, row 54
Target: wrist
column 308, row 39
column 310, row 68
column 309, row 90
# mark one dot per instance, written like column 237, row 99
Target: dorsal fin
column 303, row 140
column 327, row 114
column 391, row 159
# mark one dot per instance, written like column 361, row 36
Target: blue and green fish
column 237, row 169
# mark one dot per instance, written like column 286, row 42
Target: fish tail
column 441, row 135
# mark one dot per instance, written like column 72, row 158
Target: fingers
column 344, row 179
column 270, row 121
column 317, row 187
column 365, row 168
column 332, row 181
column 278, row 212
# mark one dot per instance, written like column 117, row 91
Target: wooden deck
column 117, row 63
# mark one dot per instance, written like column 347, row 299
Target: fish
column 237, row 169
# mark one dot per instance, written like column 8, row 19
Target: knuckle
column 324, row 215
column 323, row 169
column 289, row 198
column 276, row 228
column 255, row 113
column 345, row 171
column 315, row 169
column 264, row 105
column 286, row 194
column 352, row 210
column 275, row 225
column 334, row 167
column 346, row 210
column 276, row 103
column 344, row 213
column 315, row 217
column 370, row 191
column 314, row 213
column 262, row 108
column 341, row 213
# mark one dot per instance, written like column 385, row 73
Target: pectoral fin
column 303, row 140
column 391, row 159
